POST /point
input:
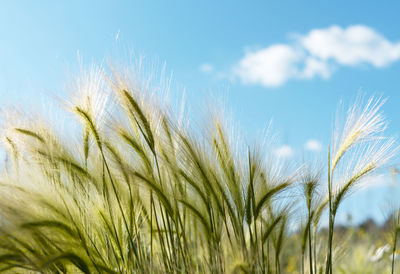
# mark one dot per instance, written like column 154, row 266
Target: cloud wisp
column 313, row 145
column 284, row 151
column 206, row 68
column 317, row 53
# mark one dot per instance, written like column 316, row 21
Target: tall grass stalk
column 310, row 189
column 362, row 137
column 395, row 221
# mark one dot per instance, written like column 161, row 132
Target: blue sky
column 289, row 61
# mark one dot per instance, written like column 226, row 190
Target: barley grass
column 140, row 191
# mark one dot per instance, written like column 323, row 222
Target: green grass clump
column 142, row 192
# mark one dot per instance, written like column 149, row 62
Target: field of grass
column 136, row 189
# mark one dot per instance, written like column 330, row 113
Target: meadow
column 136, row 188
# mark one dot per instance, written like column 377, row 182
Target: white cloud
column 351, row 46
column 316, row 54
column 271, row 66
column 313, row 67
column 313, row 145
column 206, row 68
column 284, row 151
